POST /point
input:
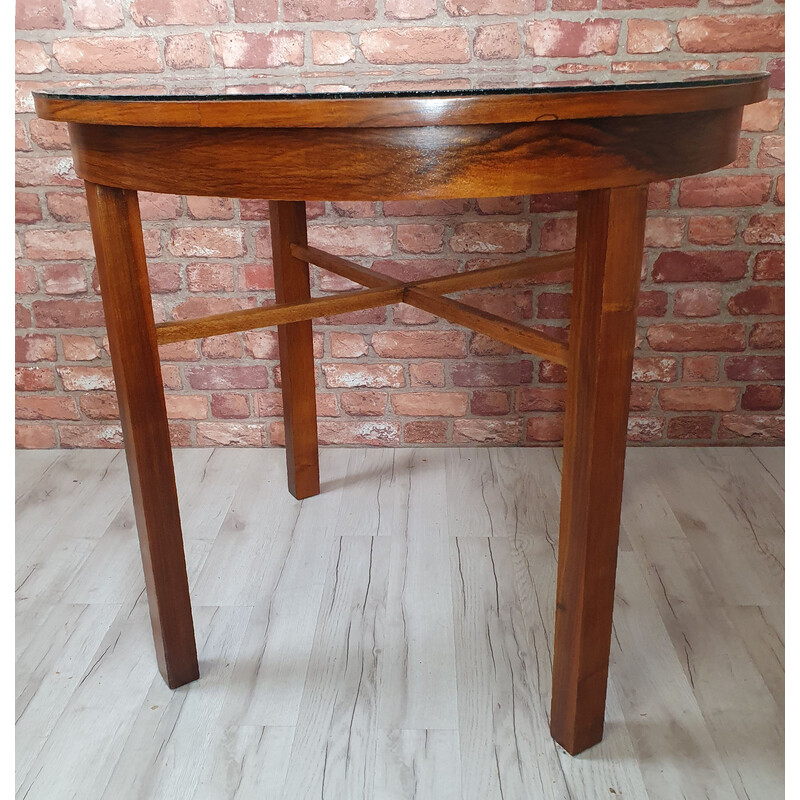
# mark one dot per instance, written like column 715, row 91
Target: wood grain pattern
column 121, row 266
column 296, row 346
column 487, row 160
column 605, row 291
column 376, row 112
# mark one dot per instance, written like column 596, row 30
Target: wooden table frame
column 400, row 149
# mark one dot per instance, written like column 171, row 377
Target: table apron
column 406, row 163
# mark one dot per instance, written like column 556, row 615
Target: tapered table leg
column 119, row 247
column 605, row 287
column 296, row 345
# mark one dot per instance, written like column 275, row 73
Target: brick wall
column 709, row 366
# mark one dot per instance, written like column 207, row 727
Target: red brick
column 558, row 234
column 230, row 434
column 428, row 373
column 655, row 368
column 758, row 300
column 356, row 209
column 209, row 207
column 771, row 152
column 357, row 432
column 86, row 379
column 100, row 405
column 96, row 14
column 739, row 190
column 754, row 368
column 491, row 237
column 552, row 373
column 691, row 427
column 187, row 51
column 652, row 304
column 364, row 404
column 420, row 238
column 230, row 405
column 419, row 344
column 248, row 50
column 732, row 33
column 752, row 427
column 204, row 277
column 408, row 315
column 35, row 347
column 332, row 47
column 499, row 205
column 21, row 140
column 486, row 373
column 696, row 336
column 372, row 376
column 762, row 397
column 708, row 265
column 352, row 240
column 227, row 377
column 256, row 277
column 80, row 348
column 150, row 13
column 164, row 276
column 34, row 437
column 68, row 313
column 325, row 10
column 540, row 399
column 559, row 201
column 416, row 268
column 764, row 229
column 763, row 117
column 415, row 45
column 699, row 398
column 548, row 429
column 226, row 346
column 641, row 396
column 552, row 305
column 45, row 171
column 179, row 351
column 700, row 368
column 187, row 406
column 203, row 242
column 648, row 36
column 490, row 403
column 25, row 281
column 50, row 407
column 27, row 208
column 664, row 232
column 777, row 69
column 255, row 10
column 370, row 316
column 645, row 429
column 769, row 266
column 697, row 301
column 58, row 245
column 37, row 14
column 108, row 54
column 68, row 206
column 767, row 336
column 30, row 58
column 780, row 190
column 493, row 42
column 33, row 379
column 629, row 5
column 573, row 5
column 425, row 432
column 424, row 208
column 347, row 345
column 563, row 38
column 64, row 278
column 712, row 230
column 430, row 404
column 487, row 431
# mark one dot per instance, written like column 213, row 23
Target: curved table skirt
column 407, row 163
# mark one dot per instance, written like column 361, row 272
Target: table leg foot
column 122, row 269
column 605, row 291
column 296, row 345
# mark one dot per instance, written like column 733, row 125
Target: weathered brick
column 100, row 405
column 754, row 368
column 769, row 266
column 715, row 191
column 230, row 434
column 332, row 47
column 256, row 277
column 68, row 206
column 68, row 313
column 50, row 135
column 415, row 45
column 655, row 368
column 45, row 171
column 493, row 42
column 34, row 437
column 758, row 300
column 731, row 33
column 229, row 405
column 96, row 14
column 206, row 242
column 187, row 51
column 358, row 432
column 255, row 10
column 150, row 13
column 498, row 205
column 645, row 429
column 536, row 398
column 371, row 376
column 38, row 14
column 697, row 301
column 430, row 404
column 765, row 229
column 48, row 407
column 414, row 238
column 490, row 403
column 558, row 234
column 762, row 397
column 210, row 207
column 424, row 208
column 26, row 208
column 202, row 277
column 564, row 38
column 699, row 398
column 546, row 430
column 764, row 116
column 767, row 336
column 324, row 10
column 664, row 232
column 425, row 432
column 687, row 337
column 364, row 403
column 227, row 377
column 352, row 240
column 86, row 379
column 249, row 50
column 690, row 427
column 67, row 278
column 648, row 36
column 652, row 304
column 771, row 152
column 80, row 348
column 419, row 344
column 756, row 427
column 428, row 373
column 487, row 431
column 347, row 345
column 34, row 379
column 226, row 346
column 700, row 368
column 486, row 373
column 108, row 54
column 30, row 58
column 35, row 347
column 25, row 281
column 707, row 230
column 491, row 237
column 707, row 265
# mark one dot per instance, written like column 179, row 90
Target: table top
column 431, row 96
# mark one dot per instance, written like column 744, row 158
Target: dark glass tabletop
column 421, row 83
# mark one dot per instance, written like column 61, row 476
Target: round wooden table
column 400, row 137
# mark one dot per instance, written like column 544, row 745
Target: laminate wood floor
column 391, row 638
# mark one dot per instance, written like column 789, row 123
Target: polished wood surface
column 605, row 145
column 122, row 269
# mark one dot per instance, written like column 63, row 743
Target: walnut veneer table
column 391, row 137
